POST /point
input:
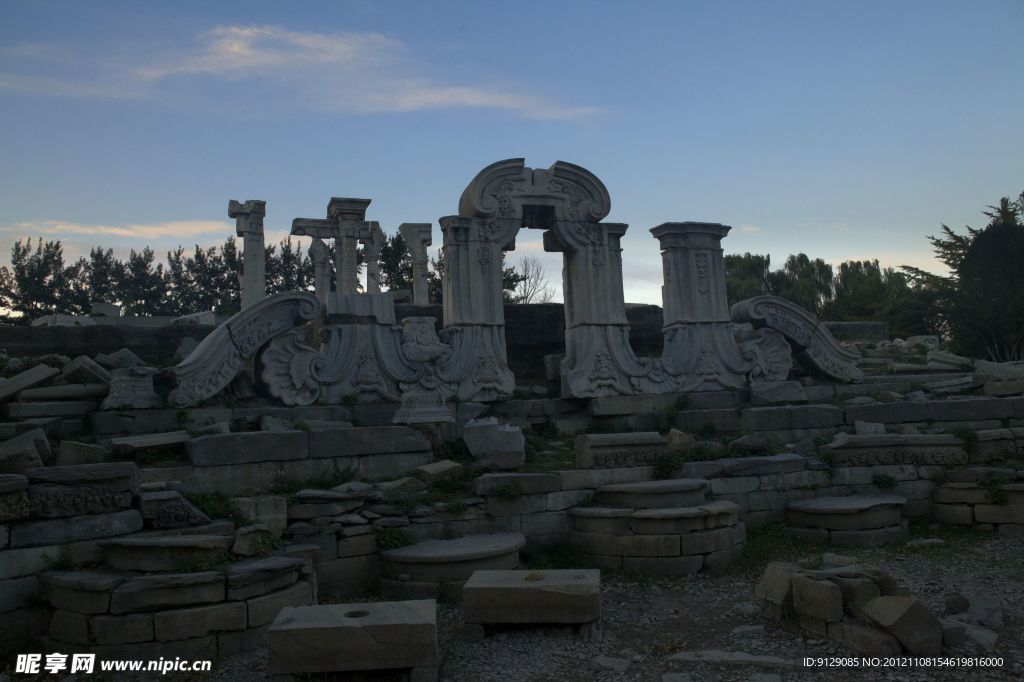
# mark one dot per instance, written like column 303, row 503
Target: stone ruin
column 313, row 448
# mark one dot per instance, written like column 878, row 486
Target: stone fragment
column 14, row 503
column 168, row 590
column 494, row 446
column 199, row 621
column 862, row 428
column 609, row 450
column 907, row 619
column 775, row 392
column 252, row 540
column 366, row 440
column 776, row 584
column 513, row 484
column 30, row 449
column 680, row 492
column 72, row 529
column 27, row 379
column 168, row 509
column 552, row 596
column 72, row 453
column 817, row 598
column 254, row 577
column 266, row 510
column 438, row 471
column 86, row 370
column 131, row 388
column 354, row 637
column 165, row 553
column 265, row 608
column 240, row 448
column 983, row 638
column 120, row 359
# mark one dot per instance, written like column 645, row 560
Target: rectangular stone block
column 349, row 637
column 68, row 626
column 24, row 451
column 241, row 448
column 85, row 369
column 545, row 523
column 14, row 505
column 30, row 377
column 199, row 622
column 62, row 531
column 614, row 450
column 706, row 541
column 817, row 599
column 264, row 609
column 796, row 479
column 519, row 504
column 169, row 590
column 81, row 591
column 366, row 440
column 998, row 513
column 519, row 484
column 129, row 629
column 734, row 486
column 575, row 479
column 56, row 408
column 16, row 592
column 565, row 499
column 555, row 596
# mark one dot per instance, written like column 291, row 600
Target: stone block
column 705, row 542
column 349, row 637
column 796, row 479
column 165, row 553
column 871, row 537
column 604, row 520
column 70, row 627
column 863, row 639
column 909, row 621
column 998, row 513
column 774, row 392
column 241, row 448
column 493, row 445
column 517, row 504
column 546, row 523
column 817, row 598
column 760, row 466
column 264, row 609
column 560, row 501
column 52, row 408
column 267, row 510
column 25, row 451
column 16, row 592
column 613, row 450
column 86, row 370
column 576, row 479
column 516, row 484
column 72, row 453
column 62, row 531
column 438, row 471
column 14, row 505
column 668, row 521
column 129, row 629
column 346, row 575
column 367, row 441
column 200, row 621
column 27, row 379
column 555, row 596
column 169, row 590
column 81, row 591
column 167, row 509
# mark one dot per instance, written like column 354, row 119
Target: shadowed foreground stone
column 347, row 637
column 556, row 596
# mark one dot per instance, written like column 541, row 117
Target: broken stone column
column 320, row 254
column 417, row 238
column 249, row 226
column 700, row 349
column 372, row 240
column 345, row 223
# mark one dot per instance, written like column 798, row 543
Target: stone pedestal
column 249, row 226
column 700, row 350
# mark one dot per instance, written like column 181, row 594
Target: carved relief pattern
column 701, row 263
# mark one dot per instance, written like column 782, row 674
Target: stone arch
column 569, row 203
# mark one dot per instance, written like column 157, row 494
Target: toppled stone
column 168, row 509
column 817, row 599
column 27, row 379
column 907, row 619
column 30, row 449
column 438, row 471
column 131, row 388
column 252, row 540
column 120, row 359
column 495, row 446
column 553, row 596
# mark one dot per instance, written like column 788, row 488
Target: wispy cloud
column 348, row 73
column 748, row 229
column 177, row 228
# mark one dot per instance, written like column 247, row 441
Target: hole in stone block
column 357, row 614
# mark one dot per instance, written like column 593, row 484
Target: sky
column 844, row 130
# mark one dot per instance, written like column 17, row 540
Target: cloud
column 176, row 228
column 749, row 229
column 347, row 73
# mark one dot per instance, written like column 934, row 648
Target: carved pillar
column 417, row 237
column 346, row 262
column 474, row 314
column 372, row 240
column 320, row 254
column 249, row 226
column 699, row 345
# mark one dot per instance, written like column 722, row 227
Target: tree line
column 978, row 306
column 40, row 282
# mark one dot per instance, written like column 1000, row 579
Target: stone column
column 320, row 254
column 372, row 241
column 417, row 238
column 249, row 226
column 699, row 345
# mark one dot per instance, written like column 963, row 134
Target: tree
column 986, row 308
column 746, row 276
column 395, row 264
column 38, row 283
column 533, row 286
column 806, row 282
column 142, row 286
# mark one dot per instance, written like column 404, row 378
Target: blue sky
column 840, row 129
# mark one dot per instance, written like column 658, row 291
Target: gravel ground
column 645, row 621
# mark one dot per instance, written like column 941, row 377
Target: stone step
column 678, row 492
column 170, row 553
column 65, row 392
column 856, row 512
column 49, row 408
column 666, row 520
column 453, row 560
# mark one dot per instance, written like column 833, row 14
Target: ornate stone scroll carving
column 221, row 355
column 249, row 226
column 768, row 353
column 813, row 345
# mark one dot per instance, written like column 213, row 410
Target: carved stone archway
column 569, row 203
